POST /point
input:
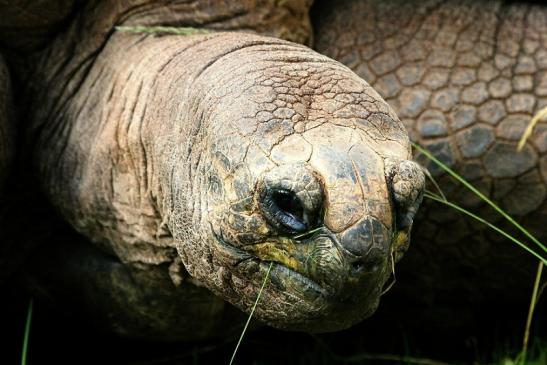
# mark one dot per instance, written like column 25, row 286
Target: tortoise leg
column 159, row 303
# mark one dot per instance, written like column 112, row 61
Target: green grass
column 460, row 209
column 521, row 359
column 541, row 115
column 538, row 352
column 161, row 30
column 27, row 334
column 483, row 197
column 266, row 277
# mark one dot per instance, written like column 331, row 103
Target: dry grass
column 540, row 116
column 161, row 30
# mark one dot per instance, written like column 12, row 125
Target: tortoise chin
column 310, row 282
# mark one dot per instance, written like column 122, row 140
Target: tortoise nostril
column 357, row 266
column 283, row 209
column 289, row 204
column 290, row 198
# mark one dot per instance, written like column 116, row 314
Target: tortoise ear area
column 407, row 183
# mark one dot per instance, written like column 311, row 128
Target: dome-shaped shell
column 466, row 78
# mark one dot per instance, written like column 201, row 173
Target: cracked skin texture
column 465, row 77
column 194, row 161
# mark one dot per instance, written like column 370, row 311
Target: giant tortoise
column 193, row 165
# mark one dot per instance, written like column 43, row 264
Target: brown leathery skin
column 68, row 53
column 51, row 77
column 169, row 144
column 465, row 77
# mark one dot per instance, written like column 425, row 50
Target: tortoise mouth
column 285, row 269
column 322, row 297
column 280, row 271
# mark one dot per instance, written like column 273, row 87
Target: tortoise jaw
column 304, row 262
column 284, row 277
column 317, row 296
column 290, row 269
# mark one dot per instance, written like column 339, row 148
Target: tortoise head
column 304, row 168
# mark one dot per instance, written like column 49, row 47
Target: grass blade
column 308, row 233
column 27, row 334
column 533, row 301
column 490, row 225
column 434, row 182
column 521, row 359
column 252, row 312
column 542, row 114
column 479, row 194
column 161, row 30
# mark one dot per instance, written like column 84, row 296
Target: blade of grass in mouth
column 252, row 312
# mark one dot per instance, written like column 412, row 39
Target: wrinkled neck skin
column 27, row 26
column 230, row 152
column 82, row 94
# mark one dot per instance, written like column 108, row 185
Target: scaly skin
column 465, row 77
column 203, row 158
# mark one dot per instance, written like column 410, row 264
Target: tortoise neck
column 104, row 131
column 86, row 29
